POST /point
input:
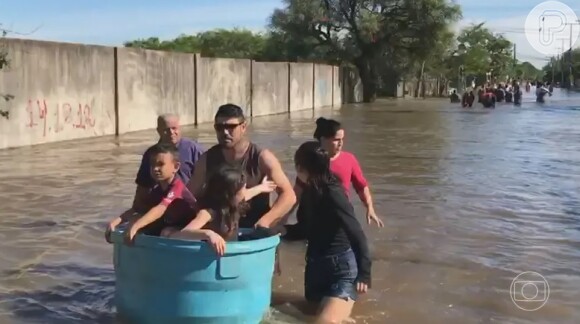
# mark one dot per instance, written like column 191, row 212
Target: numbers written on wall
column 57, row 117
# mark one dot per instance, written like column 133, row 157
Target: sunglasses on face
column 225, row 126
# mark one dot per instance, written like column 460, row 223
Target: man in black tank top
column 235, row 149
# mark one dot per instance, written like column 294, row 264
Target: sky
column 112, row 22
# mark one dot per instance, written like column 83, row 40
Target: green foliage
column 480, row 51
column 235, row 43
column 558, row 68
column 526, row 71
column 3, row 64
column 379, row 37
column 238, row 43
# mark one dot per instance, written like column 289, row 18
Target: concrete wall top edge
column 155, row 52
column 276, row 62
column 53, row 43
column 225, row 59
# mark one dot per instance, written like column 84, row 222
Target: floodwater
column 470, row 197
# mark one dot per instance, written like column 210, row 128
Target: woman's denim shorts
column 331, row 276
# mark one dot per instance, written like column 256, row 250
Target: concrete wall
column 336, row 87
column 151, row 83
column 323, row 85
column 412, row 88
column 221, row 81
column 352, row 90
column 72, row 91
column 61, row 92
column 301, row 86
column 269, row 88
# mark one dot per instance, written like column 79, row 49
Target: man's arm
column 144, row 182
column 197, row 180
column 139, row 202
column 198, row 151
column 286, row 196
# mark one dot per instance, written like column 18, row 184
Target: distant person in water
column 168, row 206
column 169, row 131
column 338, row 263
column 480, row 94
column 468, row 99
column 223, row 204
column 489, row 99
column 235, row 149
column 499, row 93
column 509, row 94
column 454, row 97
column 517, row 94
column 541, row 92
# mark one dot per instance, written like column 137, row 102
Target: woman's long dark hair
column 219, row 196
column 311, row 158
column 326, row 128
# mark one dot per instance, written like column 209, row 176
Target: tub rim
column 232, row 248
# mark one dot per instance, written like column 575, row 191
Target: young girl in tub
column 223, row 203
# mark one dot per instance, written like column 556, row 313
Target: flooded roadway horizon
column 470, row 198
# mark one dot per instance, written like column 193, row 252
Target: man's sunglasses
column 229, row 127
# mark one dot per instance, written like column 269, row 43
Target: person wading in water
column 235, row 149
column 330, row 136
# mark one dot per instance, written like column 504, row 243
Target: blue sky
column 109, row 22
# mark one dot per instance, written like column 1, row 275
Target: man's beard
column 227, row 143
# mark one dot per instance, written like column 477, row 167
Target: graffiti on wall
column 57, row 117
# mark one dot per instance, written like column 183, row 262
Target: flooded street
column 470, row 197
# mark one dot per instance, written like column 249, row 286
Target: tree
column 526, row 71
column 374, row 35
column 280, row 46
column 3, row 64
column 480, row 51
column 559, row 67
column 235, row 43
column 433, row 60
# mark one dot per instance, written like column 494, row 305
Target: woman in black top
column 338, row 264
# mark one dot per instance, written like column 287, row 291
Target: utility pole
column 562, row 62
column 562, row 70
column 553, row 69
column 571, row 74
column 515, row 63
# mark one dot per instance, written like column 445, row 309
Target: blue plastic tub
column 160, row 280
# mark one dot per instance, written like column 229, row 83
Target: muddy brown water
column 470, row 198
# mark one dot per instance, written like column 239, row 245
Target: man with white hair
column 169, row 131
